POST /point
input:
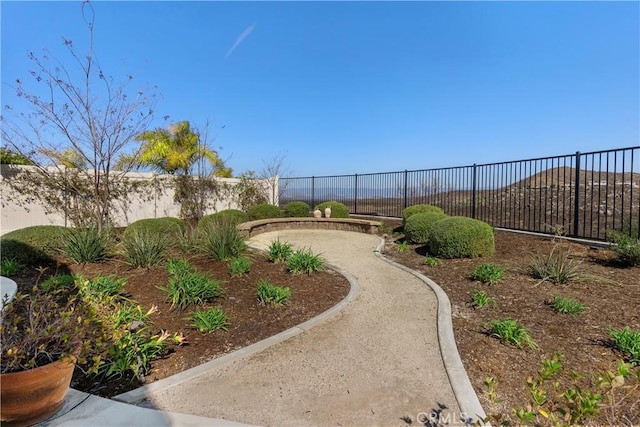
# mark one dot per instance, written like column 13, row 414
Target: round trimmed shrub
column 32, row 245
column 234, row 215
column 338, row 210
column 461, row 237
column 418, row 226
column 414, row 209
column 156, row 225
column 263, row 211
column 296, row 210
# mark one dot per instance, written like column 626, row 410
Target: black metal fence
column 580, row 195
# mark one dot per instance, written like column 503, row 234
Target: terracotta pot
column 34, row 395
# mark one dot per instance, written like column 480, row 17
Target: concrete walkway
column 375, row 362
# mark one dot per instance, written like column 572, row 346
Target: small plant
column 220, row 239
column 235, row 215
column 84, row 245
column 58, row 281
column 487, row 272
column 627, row 341
column 402, row 246
column 188, row 288
column 576, row 403
column 164, row 226
column 9, row 267
column 432, row 261
column 510, row 331
column 626, row 246
column 481, row 299
column 209, row 320
column 384, row 228
column 556, row 267
column 304, row 261
column 566, row 305
column 271, row 294
column 279, row 251
column 107, row 285
column 239, row 266
column 144, row 248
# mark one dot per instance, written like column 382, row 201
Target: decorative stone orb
column 317, row 213
column 327, row 212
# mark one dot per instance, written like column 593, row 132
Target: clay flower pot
column 35, row 394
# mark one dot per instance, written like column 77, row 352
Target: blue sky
column 358, row 87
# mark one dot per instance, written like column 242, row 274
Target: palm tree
column 175, row 150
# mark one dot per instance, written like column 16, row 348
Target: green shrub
column 263, row 211
column 487, row 272
column 220, row 239
column 296, row 210
column 143, row 247
column 209, row 320
column 32, row 245
column 279, row 251
column 166, row 226
column 188, row 287
column 461, row 237
column 84, row 245
column 304, row 261
column 627, row 341
column 414, row 209
column 566, row 305
column 338, row 210
column 239, row 266
column 234, row 215
column 626, row 246
column 510, row 331
column 418, row 226
column 271, row 294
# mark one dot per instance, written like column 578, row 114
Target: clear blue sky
column 357, row 87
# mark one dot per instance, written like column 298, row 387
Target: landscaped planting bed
column 515, row 301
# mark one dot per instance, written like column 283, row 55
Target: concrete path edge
column 139, row 394
column 463, row 390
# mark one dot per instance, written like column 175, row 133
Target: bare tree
column 272, row 171
column 85, row 112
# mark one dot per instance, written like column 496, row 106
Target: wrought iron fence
column 580, row 195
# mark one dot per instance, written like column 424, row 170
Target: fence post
column 313, row 188
column 473, row 192
column 576, row 207
column 355, row 186
column 404, row 204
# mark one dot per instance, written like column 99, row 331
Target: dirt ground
column 610, row 292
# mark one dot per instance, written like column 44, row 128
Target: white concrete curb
column 463, row 390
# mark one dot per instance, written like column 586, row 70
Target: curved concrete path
column 375, row 362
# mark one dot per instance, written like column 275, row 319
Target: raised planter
column 344, row 224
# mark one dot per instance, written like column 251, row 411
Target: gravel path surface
column 374, row 363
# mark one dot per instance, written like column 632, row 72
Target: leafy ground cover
column 608, row 292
